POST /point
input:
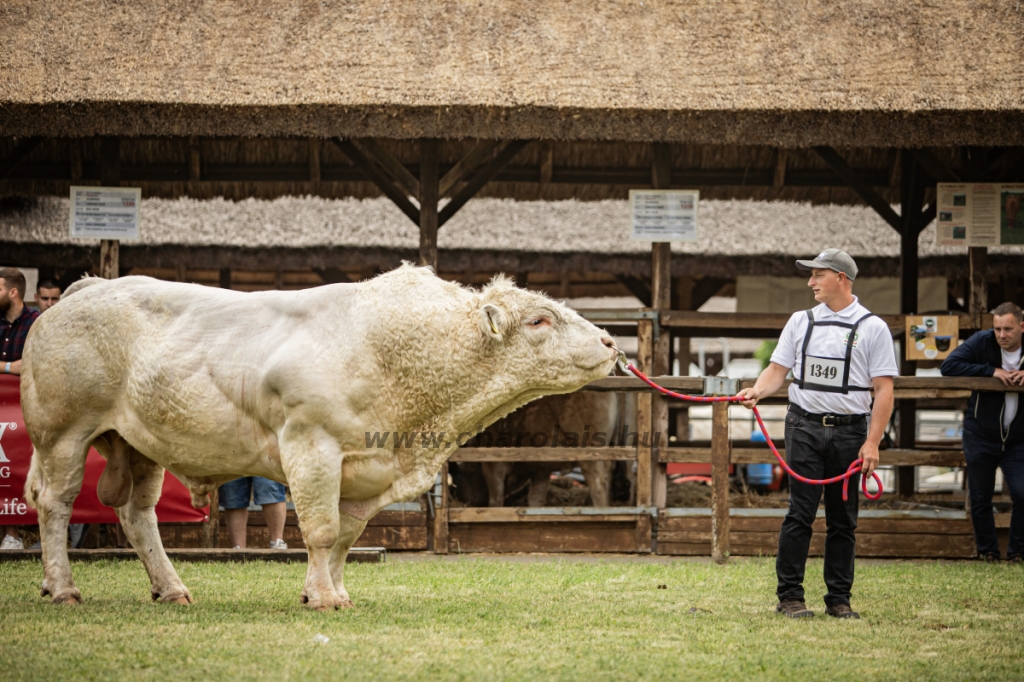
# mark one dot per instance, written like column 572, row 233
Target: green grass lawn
column 491, row 618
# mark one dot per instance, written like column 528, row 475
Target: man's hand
column 750, row 397
column 868, row 453
column 770, row 381
column 1008, row 378
column 1017, row 377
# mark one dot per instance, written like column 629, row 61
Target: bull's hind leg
column 351, row 529
column 138, row 517
column 53, row 483
column 312, row 464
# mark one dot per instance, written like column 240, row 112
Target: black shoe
column 841, row 611
column 793, row 608
column 1015, row 559
column 989, row 557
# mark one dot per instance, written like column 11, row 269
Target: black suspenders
column 809, row 384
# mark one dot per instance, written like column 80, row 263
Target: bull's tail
column 33, row 482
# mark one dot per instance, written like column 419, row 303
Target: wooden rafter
column 637, row 287
column 21, row 151
column 480, row 178
column 935, row 167
column 379, row 178
column 386, row 160
column 467, row 165
column 868, row 194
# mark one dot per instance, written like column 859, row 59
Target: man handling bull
column 839, row 352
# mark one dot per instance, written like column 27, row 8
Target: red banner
column 175, row 504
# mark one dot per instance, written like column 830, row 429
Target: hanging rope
column 845, row 478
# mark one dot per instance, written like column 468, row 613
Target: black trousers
column 818, row 451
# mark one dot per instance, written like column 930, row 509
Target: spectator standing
column 235, row 496
column 15, row 320
column 47, row 294
column 994, row 427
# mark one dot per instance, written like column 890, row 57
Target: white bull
column 212, row 384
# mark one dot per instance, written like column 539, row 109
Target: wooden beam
column 978, row 257
column 484, row 175
column 661, row 168
column 890, row 457
column 720, row 456
column 538, row 515
column 195, row 160
column 637, row 287
column 779, row 180
column 703, row 289
column 543, row 454
column 110, row 176
column 386, row 160
column 21, row 151
column 314, row 159
column 379, row 178
column 428, row 187
column 867, row 193
column 467, row 165
column 934, row 166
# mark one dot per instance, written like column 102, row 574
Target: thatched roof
column 866, row 73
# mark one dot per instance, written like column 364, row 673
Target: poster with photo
column 979, row 214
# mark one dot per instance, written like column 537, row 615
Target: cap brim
column 811, row 264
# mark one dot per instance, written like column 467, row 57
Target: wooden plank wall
column 876, row 537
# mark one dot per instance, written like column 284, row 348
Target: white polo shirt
column 873, row 356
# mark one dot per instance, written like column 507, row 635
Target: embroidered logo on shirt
column 856, row 339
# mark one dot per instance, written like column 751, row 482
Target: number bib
column 831, row 375
column 823, row 372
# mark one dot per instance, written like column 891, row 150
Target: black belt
column 828, row 419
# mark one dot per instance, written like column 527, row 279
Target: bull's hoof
column 182, row 598
column 70, row 596
column 328, row 604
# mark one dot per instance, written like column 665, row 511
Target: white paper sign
column 664, row 215
column 979, row 214
column 105, row 212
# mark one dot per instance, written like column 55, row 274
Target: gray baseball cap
column 832, row 259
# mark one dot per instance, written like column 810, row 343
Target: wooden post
column 429, row 188
column 661, row 300
column 911, row 202
column 721, row 451
column 644, row 414
column 314, row 160
column 441, row 515
column 110, row 176
column 978, row 304
column 682, row 299
column 211, row 529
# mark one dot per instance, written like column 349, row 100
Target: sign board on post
column 931, row 337
column 979, row 214
column 105, row 212
column 664, row 215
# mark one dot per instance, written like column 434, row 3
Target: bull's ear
column 493, row 321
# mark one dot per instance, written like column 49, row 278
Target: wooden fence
column 652, row 527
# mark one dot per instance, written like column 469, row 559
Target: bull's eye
column 538, row 322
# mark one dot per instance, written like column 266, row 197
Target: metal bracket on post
column 721, row 386
column 596, row 316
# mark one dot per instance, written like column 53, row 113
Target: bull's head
column 541, row 341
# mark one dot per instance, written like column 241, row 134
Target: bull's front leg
column 312, row 462
column 351, row 529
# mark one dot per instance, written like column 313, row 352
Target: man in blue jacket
column 994, row 427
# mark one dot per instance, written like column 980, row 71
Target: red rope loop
column 845, row 478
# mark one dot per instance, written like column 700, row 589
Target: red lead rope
column 845, row 478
